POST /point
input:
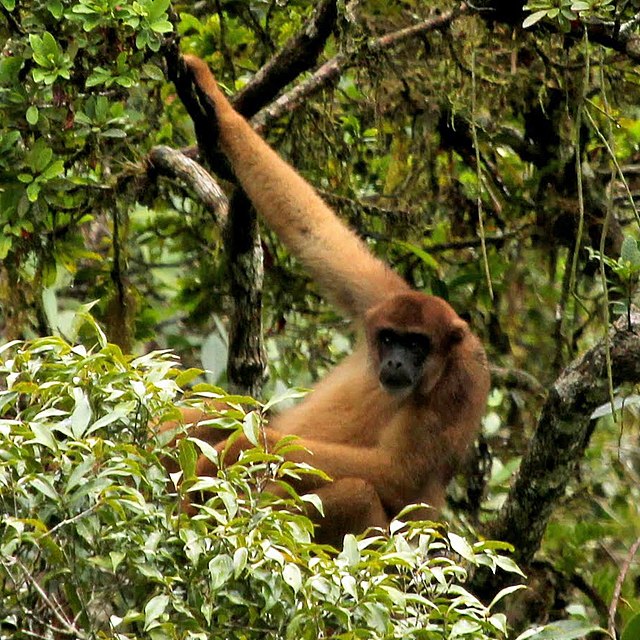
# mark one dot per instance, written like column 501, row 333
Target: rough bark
column 562, row 434
column 296, row 56
column 246, row 363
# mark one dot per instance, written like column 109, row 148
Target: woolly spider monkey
column 392, row 422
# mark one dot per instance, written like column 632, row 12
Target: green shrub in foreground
column 93, row 543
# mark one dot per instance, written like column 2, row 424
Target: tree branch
column 297, row 55
column 562, row 435
column 174, row 164
column 330, row 71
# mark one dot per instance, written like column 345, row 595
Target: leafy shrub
column 93, row 542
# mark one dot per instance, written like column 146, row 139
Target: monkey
column 392, row 422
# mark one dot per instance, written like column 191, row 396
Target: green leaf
column 292, row 575
column 427, row 258
column 46, row 488
column 580, row 6
column 562, row 630
column 5, row 245
column 630, row 252
column 220, row 569
column 240, row 558
column 461, row 546
column 42, row 435
column 505, row 592
column 284, row 396
column 32, row 115
column 157, row 9
column 55, row 169
column 187, row 376
column 40, row 156
column 154, row 609
column 82, row 413
column 55, row 8
column 161, row 26
column 251, row 428
column 113, row 133
column 187, row 456
column 33, row 191
column 529, row 21
column 632, row 629
column 350, row 551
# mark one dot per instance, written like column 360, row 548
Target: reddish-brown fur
column 382, row 450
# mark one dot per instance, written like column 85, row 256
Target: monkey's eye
column 419, row 344
column 385, row 337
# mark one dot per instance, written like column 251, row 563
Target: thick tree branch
column 296, row 56
column 516, row 379
column 561, row 436
column 330, row 71
column 246, row 363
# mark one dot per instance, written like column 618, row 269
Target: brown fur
column 382, row 450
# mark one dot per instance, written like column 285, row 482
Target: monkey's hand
column 208, row 91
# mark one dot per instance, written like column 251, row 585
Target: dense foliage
column 491, row 164
column 92, row 537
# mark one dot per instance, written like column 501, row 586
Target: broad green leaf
column 288, row 394
column 292, row 575
column 187, row 456
column 426, row 258
column 630, row 252
column 42, row 435
column 82, row 413
column 5, row 245
column 251, row 428
column 562, row 630
column 32, row 115
column 157, row 9
column 154, row 609
column 461, row 546
column 46, row 488
column 220, row 570
column 240, row 558
column 632, row 629
column 529, row 21
column 350, row 551
column 505, row 592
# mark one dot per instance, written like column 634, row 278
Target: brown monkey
column 392, row 422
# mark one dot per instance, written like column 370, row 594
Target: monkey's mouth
column 395, row 382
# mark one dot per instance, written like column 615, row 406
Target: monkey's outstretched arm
column 340, row 262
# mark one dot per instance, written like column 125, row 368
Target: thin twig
column 613, row 607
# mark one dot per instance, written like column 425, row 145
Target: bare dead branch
column 613, row 608
column 174, row 164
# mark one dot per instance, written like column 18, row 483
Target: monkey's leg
column 351, row 505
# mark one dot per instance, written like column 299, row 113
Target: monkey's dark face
column 402, row 356
column 411, row 337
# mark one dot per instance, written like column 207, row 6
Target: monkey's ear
column 456, row 334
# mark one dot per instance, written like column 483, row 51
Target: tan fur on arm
column 338, row 260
